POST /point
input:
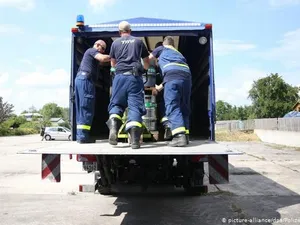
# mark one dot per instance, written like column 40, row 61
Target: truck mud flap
column 218, row 168
column 51, row 167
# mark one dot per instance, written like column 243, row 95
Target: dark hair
column 168, row 40
column 160, row 43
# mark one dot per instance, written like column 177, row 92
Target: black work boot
column 135, row 135
column 187, row 138
column 89, row 141
column 179, row 140
column 168, row 133
column 113, row 125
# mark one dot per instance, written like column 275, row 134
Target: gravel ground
column 264, row 185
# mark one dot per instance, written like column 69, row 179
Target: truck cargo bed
column 199, row 147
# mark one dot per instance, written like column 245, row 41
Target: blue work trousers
column 85, row 106
column 128, row 91
column 162, row 109
column 177, row 94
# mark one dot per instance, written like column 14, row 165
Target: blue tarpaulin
column 292, row 114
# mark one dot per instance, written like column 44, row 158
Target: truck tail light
column 199, row 158
column 196, row 158
column 86, row 158
column 74, row 29
column 208, row 26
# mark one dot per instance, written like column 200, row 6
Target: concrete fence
column 281, row 124
column 281, row 131
column 287, row 138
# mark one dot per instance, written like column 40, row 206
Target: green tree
column 66, row 114
column 272, row 97
column 6, row 109
column 51, row 110
column 15, row 121
column 224, row 111
column 65, row 124
column 244, row 112
column 32, row 109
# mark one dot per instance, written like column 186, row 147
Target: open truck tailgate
column 102, row 147
column 216, row 154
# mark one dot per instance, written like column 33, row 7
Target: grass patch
column 236, row 136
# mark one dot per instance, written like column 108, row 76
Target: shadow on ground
column 260, row 199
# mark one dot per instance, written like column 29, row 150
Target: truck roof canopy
column 153, row 27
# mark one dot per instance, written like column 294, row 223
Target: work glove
column 112, row 71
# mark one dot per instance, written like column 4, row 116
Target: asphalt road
column 264, row 185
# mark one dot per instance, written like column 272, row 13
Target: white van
column 57, row 133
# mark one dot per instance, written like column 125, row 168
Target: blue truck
column 154, row 163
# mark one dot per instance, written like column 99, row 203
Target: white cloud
column 101, row 4
column 272, row 3
column 27, row 97
column 36, row 88
column 39, row 79
column 225, row 47
column 10, row 29
column 6, row 93
column 23, row 5
column 288, row 50
column 46, row 39
column 49, row 39
column 3, row 78
column 281, row 3
column 240, row 81
column 27, row 62
column 233, row 87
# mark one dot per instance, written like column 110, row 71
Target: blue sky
column 252, row 38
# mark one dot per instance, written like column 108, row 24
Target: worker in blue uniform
column 161, row 106
column 85, row 89
column 127, row 54
column 177, row 89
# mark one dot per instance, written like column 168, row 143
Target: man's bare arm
column 102, row 57
column 104, row 63
column 113, row 62
column 151, row 56
column 146, row 62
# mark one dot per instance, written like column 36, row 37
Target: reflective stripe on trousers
column 177, row 100
column 85, row 106
column 128, row 91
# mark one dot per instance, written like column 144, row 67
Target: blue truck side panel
column 72, row 110
column 212, row 90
